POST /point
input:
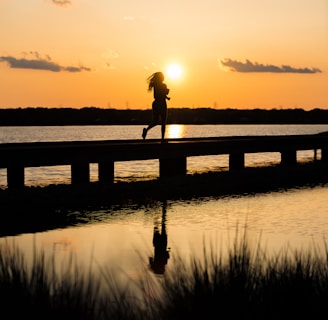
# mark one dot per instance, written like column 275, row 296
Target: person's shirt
column 160, row 91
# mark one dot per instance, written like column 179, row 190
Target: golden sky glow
column 232, row 53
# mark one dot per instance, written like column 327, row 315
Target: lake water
column 122, row 238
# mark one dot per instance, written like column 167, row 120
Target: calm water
column 121, row 238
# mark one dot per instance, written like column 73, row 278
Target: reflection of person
column 159, row 106
column 161, row 253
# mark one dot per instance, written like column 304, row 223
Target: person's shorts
column 159, row 108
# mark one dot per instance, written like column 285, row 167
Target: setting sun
column 174, row 71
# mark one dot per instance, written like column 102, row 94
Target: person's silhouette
column 159, row 106
column 161, row 253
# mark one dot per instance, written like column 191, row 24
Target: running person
column 159, row 106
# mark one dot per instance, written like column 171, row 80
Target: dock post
column 15, row 176
column 169, row 167
column 236, row 161
column 324, row 154
column 106, row 171
column 80, row 172
column 288, row 157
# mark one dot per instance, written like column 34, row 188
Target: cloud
column 61, row 3
column 75, row 69
column 248, row 66
column 38, row 63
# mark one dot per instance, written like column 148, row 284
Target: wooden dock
column 172, row 154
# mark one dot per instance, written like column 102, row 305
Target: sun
column 174, row 71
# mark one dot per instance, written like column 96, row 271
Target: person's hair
column 154, row 78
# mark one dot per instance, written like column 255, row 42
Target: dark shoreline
column 40, row 116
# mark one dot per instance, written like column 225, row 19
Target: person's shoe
column 144, row 133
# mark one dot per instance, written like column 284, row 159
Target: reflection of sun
column 175, row 131
column 174, row 71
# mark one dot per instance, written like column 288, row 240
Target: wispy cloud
column 61, row 3
column 38, row 63
column 248, row 66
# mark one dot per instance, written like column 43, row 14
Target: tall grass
column 246, row 283
column 39, row 290
column 249, row 284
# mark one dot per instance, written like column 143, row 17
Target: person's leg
column 144, row 133
column 163, row 121
column 153, row 123
column 145, row 130
column 163, row 130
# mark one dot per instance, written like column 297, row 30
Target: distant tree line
column 97, row 116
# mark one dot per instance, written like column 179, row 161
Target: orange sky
column 233, row 53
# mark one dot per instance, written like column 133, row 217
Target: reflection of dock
column 172, row 154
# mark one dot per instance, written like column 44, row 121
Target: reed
column 245, row 283
column 249, row 284
column 39, row 291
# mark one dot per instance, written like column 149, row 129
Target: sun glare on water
column 174, row 71
column 175, row 131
